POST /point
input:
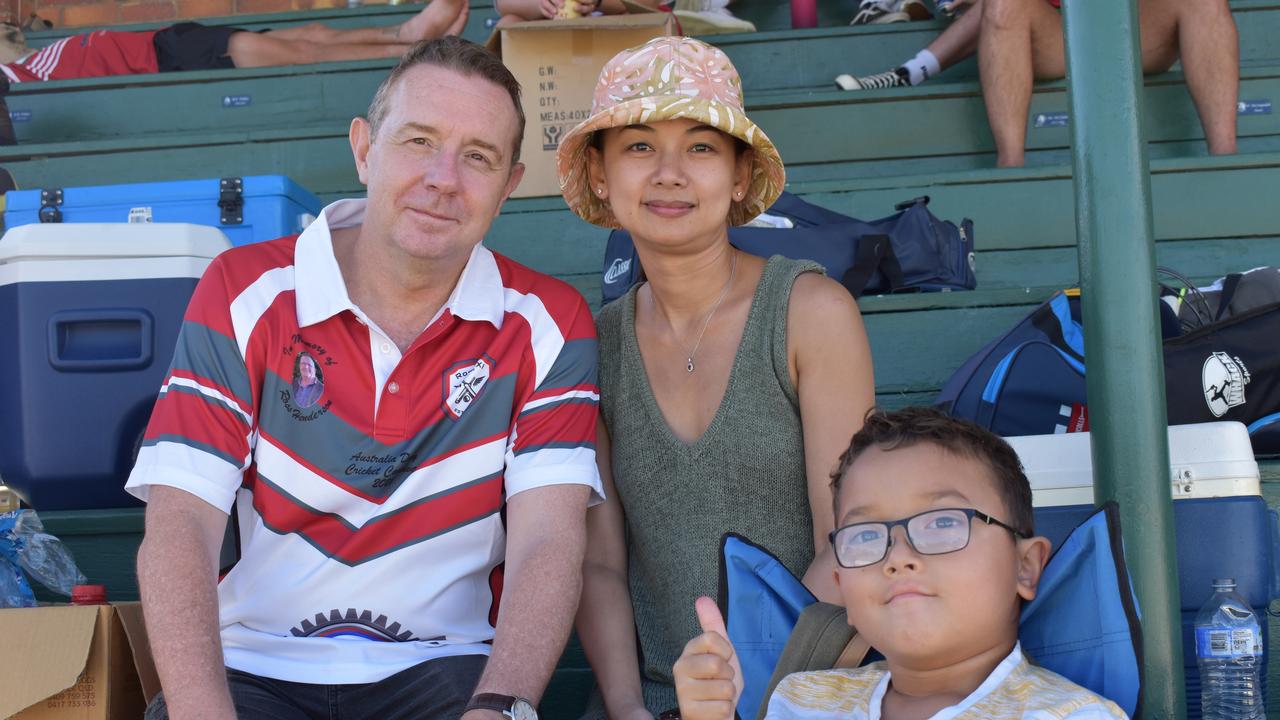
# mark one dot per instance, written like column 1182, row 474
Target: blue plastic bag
column 24, row 545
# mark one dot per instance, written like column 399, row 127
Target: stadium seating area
column 856, row 153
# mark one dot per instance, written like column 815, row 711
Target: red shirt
column 96, row 54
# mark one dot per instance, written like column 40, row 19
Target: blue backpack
column 909, row 251
column 1083, row 624
column 1029, row 381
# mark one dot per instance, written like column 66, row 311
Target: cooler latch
column 50, row 202
column 231, row 201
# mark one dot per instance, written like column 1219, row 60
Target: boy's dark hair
column 889, row 430
column 461, row 56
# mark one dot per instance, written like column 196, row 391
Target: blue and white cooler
column 248, row 209
column 89, row 316
column 1223, row 526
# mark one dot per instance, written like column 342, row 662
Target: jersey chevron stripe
column 249, row 306
column 317, row 490
column 208, row 394
column 216, row 427
column 221, row 365
column 421, row 521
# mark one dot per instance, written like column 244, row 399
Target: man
column 191, row 46
column 429, row 508
column 307, row 386
column 1019, row 41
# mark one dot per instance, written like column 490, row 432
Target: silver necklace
column 733, row 269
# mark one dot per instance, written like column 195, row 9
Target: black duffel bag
column 909, row 251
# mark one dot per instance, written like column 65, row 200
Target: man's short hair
column 889, row 430
column 461, row 56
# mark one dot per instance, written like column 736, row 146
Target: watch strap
column 491, row 701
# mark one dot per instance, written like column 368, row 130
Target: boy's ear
column 1033, row 553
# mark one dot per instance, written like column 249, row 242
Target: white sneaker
column 897, row 77
column 709, row 17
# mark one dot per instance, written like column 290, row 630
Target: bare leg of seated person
column 1203, row 34
column 1020, row 40
column 319, row 43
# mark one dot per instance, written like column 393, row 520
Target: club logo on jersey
column 463, row 384
column 1224, row 378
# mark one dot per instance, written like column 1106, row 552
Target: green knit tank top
column 746, row 474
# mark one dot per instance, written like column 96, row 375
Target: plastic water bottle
column 1229, row 651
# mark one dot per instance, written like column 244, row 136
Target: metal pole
column 1122, row 338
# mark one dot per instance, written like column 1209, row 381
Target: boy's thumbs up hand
column 708, row 675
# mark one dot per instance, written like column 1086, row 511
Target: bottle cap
column 89, row 595
column 1224, row 582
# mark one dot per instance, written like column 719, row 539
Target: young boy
column 934, row 541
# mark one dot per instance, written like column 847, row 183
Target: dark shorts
column 192, row 46
column 434, row 689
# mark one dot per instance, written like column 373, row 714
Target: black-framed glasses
column 932, row 532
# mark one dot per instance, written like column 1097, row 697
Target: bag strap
column 821, row 639
column 1230, row 284
column 875, row 252
column 854, row 653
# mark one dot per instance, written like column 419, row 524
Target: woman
column 729, row 384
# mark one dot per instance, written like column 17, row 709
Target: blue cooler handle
column 100, row 340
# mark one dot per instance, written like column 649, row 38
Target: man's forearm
column 180, row 602
column 539, row 599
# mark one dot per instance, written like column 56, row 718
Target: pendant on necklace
column 689, row 367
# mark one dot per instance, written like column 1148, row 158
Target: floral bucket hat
column 665, row 79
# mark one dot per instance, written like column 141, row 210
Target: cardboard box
column 68, row 662
column 557, row 63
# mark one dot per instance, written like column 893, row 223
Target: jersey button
column 386, row 348
column 393, row 387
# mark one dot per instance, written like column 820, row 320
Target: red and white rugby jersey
column 96, row 54
column 367, row 486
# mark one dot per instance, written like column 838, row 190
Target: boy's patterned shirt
column 1016, row 689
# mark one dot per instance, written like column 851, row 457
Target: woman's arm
column 605, row 623
column 831, row 368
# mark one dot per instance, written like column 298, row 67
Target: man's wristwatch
column 513, row 707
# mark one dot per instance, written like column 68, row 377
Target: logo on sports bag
column 617, row 270
column 463, row 383
column 1224, row 378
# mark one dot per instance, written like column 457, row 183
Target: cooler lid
column 1205, row 460
column 206, row 189
column 83, row 241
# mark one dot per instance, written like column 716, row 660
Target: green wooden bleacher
column 857, row 153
